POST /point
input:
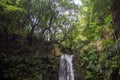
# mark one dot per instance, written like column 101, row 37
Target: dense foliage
column 34, row 33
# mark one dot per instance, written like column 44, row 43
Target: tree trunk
column 116, row 17
column 116, row 23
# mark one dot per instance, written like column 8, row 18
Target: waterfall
column 66, row 67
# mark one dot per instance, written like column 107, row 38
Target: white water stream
column 66, row 67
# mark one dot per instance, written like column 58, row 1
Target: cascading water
column 66, row 68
